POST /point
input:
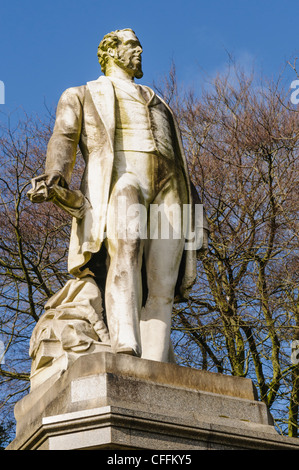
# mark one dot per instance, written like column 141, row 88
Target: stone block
column 109, row 401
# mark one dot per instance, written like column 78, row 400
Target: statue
column 127, row 267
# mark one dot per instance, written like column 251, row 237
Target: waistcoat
column 142, row 122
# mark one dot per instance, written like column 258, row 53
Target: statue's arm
column 62, row 146
column 61, row 157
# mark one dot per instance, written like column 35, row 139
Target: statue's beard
column 130, row 64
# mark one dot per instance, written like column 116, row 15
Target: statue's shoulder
column 165, row 103
column 101, row 83
column 74, row 93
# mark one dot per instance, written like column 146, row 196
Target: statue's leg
column 163, row 253
column 163, row 262
column 123, row 294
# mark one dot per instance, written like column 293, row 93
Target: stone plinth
column 108, row 401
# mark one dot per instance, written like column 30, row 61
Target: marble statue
column 131, row 252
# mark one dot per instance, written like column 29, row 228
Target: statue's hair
column 110, row 40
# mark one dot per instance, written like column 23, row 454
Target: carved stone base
column 108, row 401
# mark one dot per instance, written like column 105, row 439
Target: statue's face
column 128, row 54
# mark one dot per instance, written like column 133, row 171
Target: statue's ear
column 112, row 52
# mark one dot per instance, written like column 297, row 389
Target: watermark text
column 2, row 353
column 158, row 221
column 295, row 93
column 295, row 352
column 2, row 92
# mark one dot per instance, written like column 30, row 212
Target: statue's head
column 123, row 47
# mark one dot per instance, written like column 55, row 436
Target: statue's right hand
column 42, row 186
column 49, row 179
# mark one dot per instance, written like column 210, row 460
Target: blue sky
column 48, row 46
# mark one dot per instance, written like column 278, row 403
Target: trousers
column 144, row 225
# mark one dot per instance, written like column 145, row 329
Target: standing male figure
column 133, row 154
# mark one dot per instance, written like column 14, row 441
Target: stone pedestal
column 108, row 401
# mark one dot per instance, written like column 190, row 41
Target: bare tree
column 242, row 142
column 33, row 247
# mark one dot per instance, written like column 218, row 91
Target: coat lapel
column 102, row 94
column 130, row 89
column 149, row 95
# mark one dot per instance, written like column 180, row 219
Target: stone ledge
column 117, row 428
